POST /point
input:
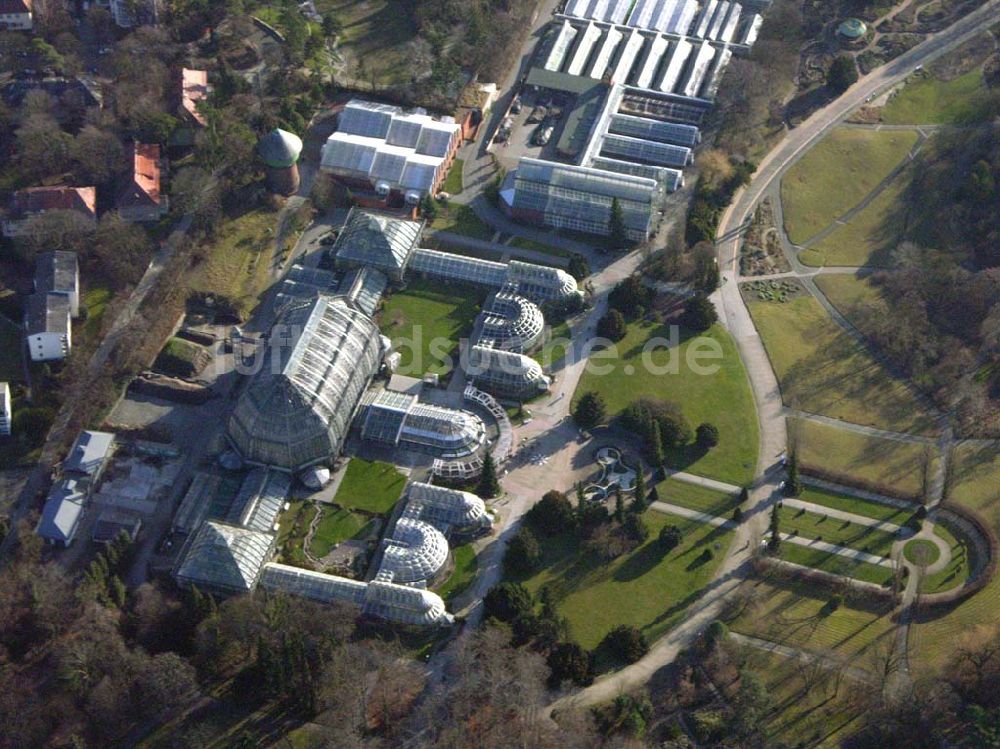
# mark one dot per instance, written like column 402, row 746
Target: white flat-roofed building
column 6, row 409
column 47, row 327
column 398, row 155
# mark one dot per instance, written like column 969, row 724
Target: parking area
column 540, row 112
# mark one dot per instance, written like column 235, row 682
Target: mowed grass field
column 425, row 322
column 938, row 634
column 835, row 564
column 869, row 236
column 836, row 175
column 823, row 370
column 334, row 526
column 722, row 398
column 929, row 100
column 694, row 497
column 370, row 486
column 860, row 457
column 815, row 525
column 855, row 505
column 647, row 587
column 792, row 613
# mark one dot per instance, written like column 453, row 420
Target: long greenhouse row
column 689, row 67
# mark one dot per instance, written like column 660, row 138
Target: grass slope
column 237, row 264
column 428, row 313
column 823, row 370
column 928, row 100
column 644, row 588
column 859, row 457
column 370, row 486
column 373, row 38
column 722, row 398
column 869, row 236
column 836, row 564
column 836, row 175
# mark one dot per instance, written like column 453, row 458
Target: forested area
column 943, row 284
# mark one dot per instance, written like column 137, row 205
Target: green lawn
column 792, row 613
column 181, row 358
column 928, row 100
column 11, row 351
column 461, row 219
column 696, row 497
column 869, row 237
column 836, row 175
column 808, row 524
column 334, row 526
column 835, row 563
column 466, row 567
column 453, row 182
column 425, row 323
column 644, row 588
column 855, row 505
column 859, row 457
column 823, row 370
column 921, row 551
column 370, row 486
column 722, row 398
column 554, row 350
column 237, row 263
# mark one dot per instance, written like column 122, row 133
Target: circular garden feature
column 853, row 29
column 921, row 552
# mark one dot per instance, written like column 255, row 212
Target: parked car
column 537, row 114
column 543, row 134
column 515, row 106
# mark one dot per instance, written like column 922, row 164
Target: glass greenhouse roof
column 377, row 240
column 296, row 410
column 224, row 557
column 414, row 553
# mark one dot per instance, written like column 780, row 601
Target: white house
column 6, row 410
column 15, row 15
column 47, row 326
column 61, row 515
column 59, row 273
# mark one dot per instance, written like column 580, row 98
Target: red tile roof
column 41, row 199
column 15, row 7
column 143, row 188
column 194, row 88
